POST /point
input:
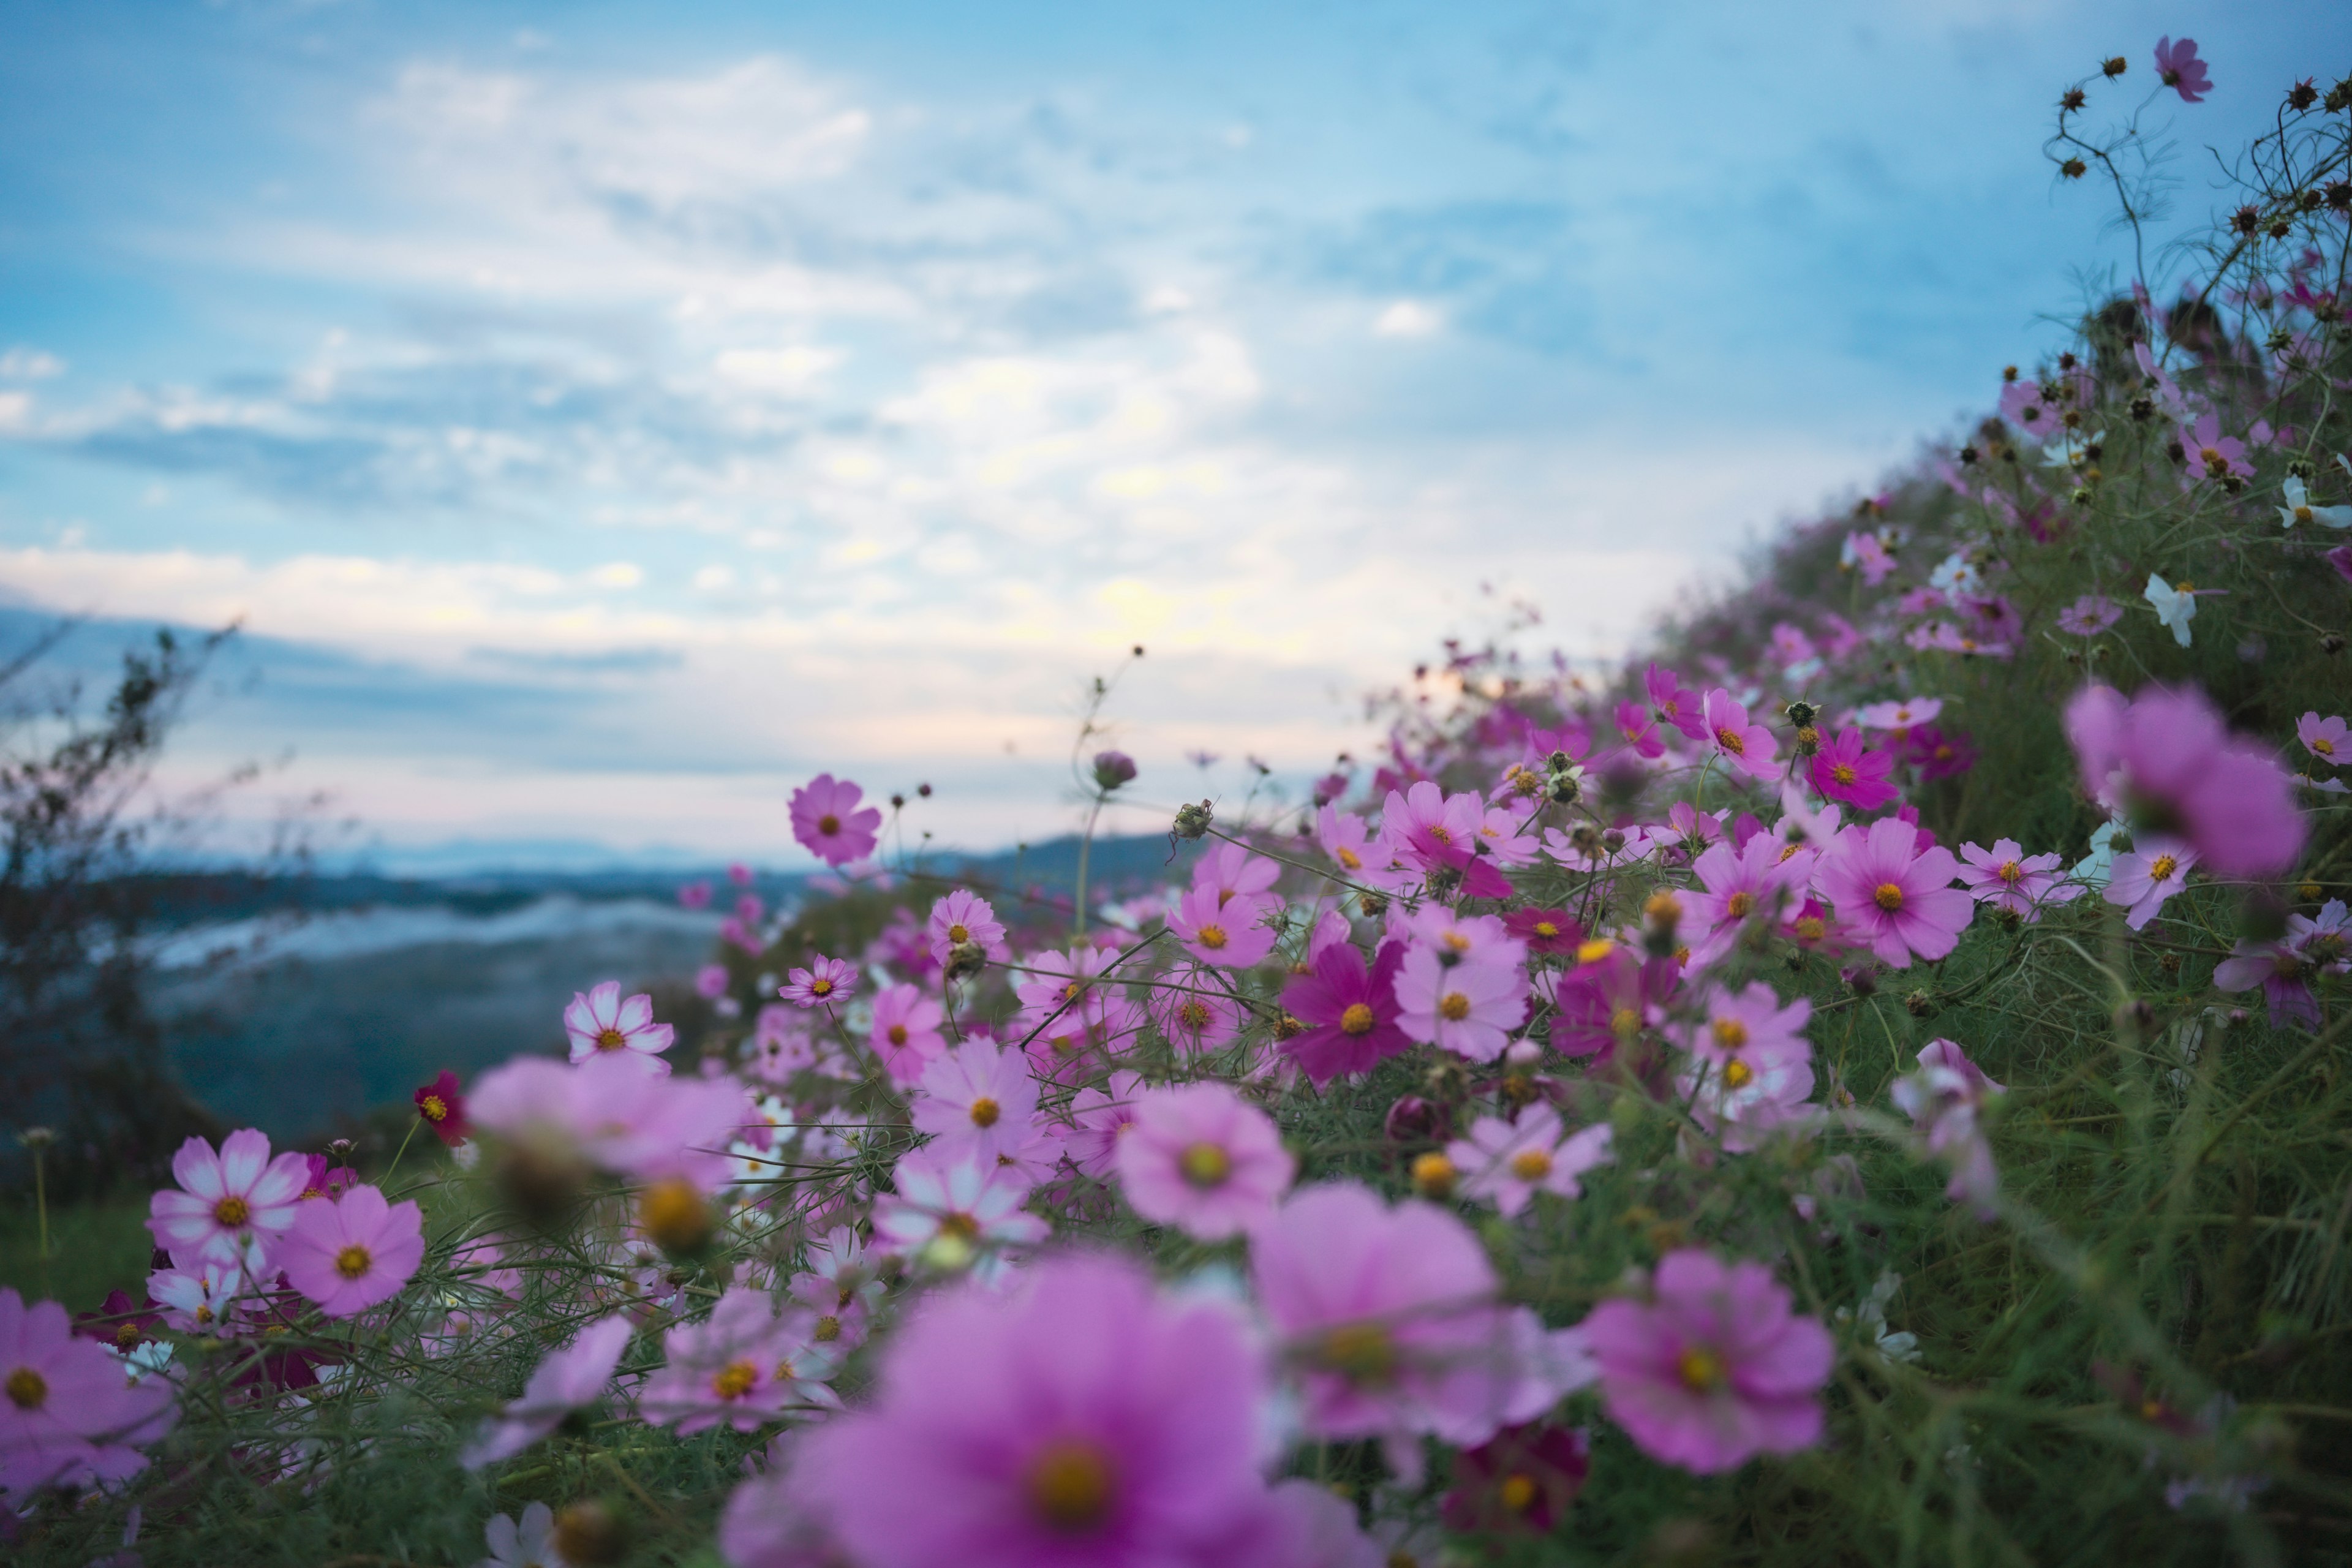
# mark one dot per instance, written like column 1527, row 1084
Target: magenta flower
column 961, row 916
column 1675, row 703
column 1230, row 932
column 1938, row 753
column 69, row 1416
column 829, row 823
column 1390, row 1324
column 1892, row 895
column 905, row 1033
column 1512, row 1162
column 1521, row 1482
column 226, row 1202
column 441, row 1107
column 1546, row 931
column 1193, row 1011
column 1349, row 1009
column 2006, row 879
column 1113, row 769
column 599, row 1021
column 1745, row 746
column 1843, row 771
column 1640, row 729
column 2323, row 737
column 2167, row 760
column 349, row 1255
column 2178, row 66
column 565, row 1380
column 1905, row 714
column 1716, row 1369
column 694, row 895
column 977, row 1091
column 1428, row 829
column 710, row 982
column 1945, row 1096
column 2213, row 455
column 1086, row 1422
column 2151, row 872
column 825, row 981
column 1201, row 1158
column 742, row 1367
column 2089, row 615
column 1468, row 1008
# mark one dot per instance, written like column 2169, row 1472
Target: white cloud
column 21, row 363
column 1407, row 318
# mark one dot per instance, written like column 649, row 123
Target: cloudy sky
column 605, row 417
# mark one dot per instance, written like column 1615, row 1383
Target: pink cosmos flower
column 2089, row 615
column 1675, row 703
column 1510, row 1163
column 353, row 1253
column 825, row 981
column 905, row 1033
column 2142, row 879
column 1602, row 1005
column 226, row 1202
column 2005, row 878
column 1745, row 746
column 615, row 1117
column 1894, row 895
column 1546, row 932
column 977, row 1092
column 2213, row 455
column 1746, row 1025
column 1715, row 1369
column 1104, row 1117
column 1468, row 1008
column 1428, row 829
column 1085, row 1421
column 1194, row 1012
column 565, row 1380
column 2166, row 759
column 1203, row 1160
column 1390, row 1324
column 1457, row 937
column 1743, row 1097
column 199, row 1299
column 1944, row 1095
column 740, row 1367
column 1938, row 753
column 69, row 1416
column 1757, row 879
column 2178, row 66
column 955, row 1202
column 829, row 823
column 1234, row 872
column 964, row 916
column 694, row 895
column 1362, row 854
column 1520, row 1482
column 1907, row 713
column 710, row 982
column 442, row 1107
column 1867, row 552
column 1230, row 932
column 599, row 1021
column 1843, row 771
column 1640, row 729
column 2323, row 737
column 1349, row 1009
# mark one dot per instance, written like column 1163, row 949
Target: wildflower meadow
column 1864, row 1083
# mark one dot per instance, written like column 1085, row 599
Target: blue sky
column 605, row 417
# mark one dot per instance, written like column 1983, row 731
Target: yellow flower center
column 985, row 1112
column 1810, row 928
column 2010, row 871
column 1440, row 834
column 231, row 1211
column 1730, row 1033
column 1360, row 1353
column 1531, row 1164
column 1350, row 860
column 1594, row 952
column 611, row 1039
column 1624, row 1023
column 1731, row 740
column 1193, row 1015
column 820, row 987
column 958, row 934
column 27, row 1389
column 432, row 1108
column 2323, row 745
column 1454, row 1006
column 1888, row 896
column 1737, row 1074
column 1518, row 1492
column 1205, row 1165
column 828, row 825
column 2160, row 868
column 1700, row 1369
column 1547, row 930
column 962, row 1227
column 1071, row 1485
column 735, row 1380
column 1433, row 1175
column 352, row 1261
column 827, row 1330
column 1739, row 905
column 1356, row 1020
column 898, row 1033
column 1844, row 773
column 1212, row 937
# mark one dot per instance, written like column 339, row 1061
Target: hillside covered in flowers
column 1867, row 1082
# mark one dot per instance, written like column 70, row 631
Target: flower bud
column 1412, row 1119
column 1193, row 821
column 1112, row 769
column 1434, row 1177
column 965, row 958
column 591, row 1534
